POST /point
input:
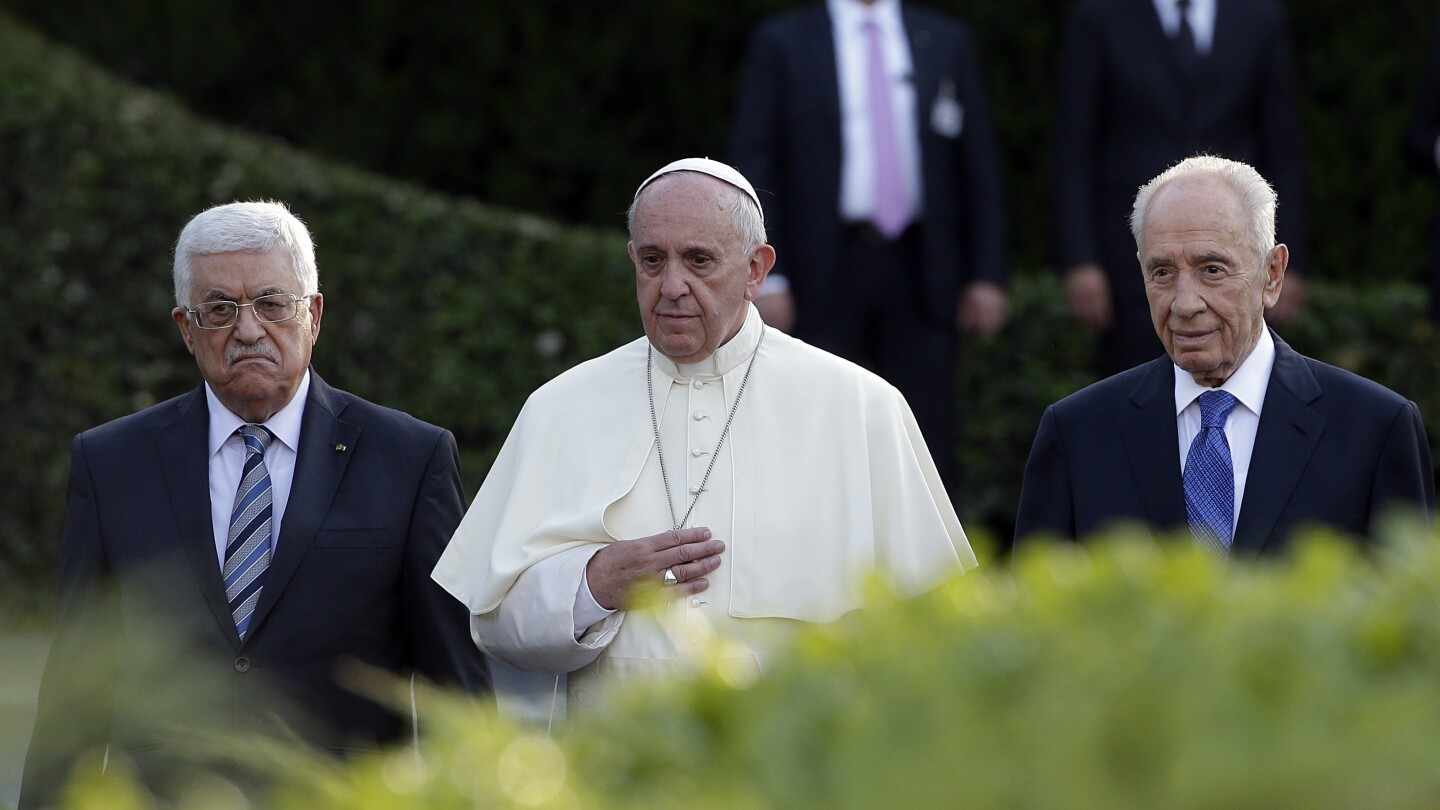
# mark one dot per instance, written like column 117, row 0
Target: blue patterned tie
column 247, row 549
column 1210, row 476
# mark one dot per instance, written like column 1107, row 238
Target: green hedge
column 558, row 107
column 1128, row 674
column 444, row 307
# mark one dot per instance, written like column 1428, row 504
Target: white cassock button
column 694, row 490
column 695, row 602
column 698, row 383
column 697, row 452
column 698, row 416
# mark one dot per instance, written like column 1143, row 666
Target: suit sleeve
column 1405, row 475
column 72, row 720
column 984, row 184
column 1075, row 145
column 1282, row 142
column 441, row 649
column 757, row 133
column 1046, row 498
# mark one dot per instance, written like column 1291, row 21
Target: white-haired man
column 227, row 551
column 758, row 478
column 1233, row 434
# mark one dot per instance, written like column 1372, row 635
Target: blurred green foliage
column 1124, row 674
column 559, row 107
column 443, row 307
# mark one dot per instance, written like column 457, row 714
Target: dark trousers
column 880, row 322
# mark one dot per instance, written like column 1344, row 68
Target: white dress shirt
column 857, row 171
column 227, row 461
column 1248, row 385
column 1201, row 17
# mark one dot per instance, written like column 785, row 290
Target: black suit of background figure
column 893, row 307
column 1131, row 104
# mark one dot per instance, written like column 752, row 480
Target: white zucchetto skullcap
column 714, row 168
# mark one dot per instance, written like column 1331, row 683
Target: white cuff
column 587, row 610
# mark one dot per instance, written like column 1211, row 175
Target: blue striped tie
column 247, row 549
column 1210, row 475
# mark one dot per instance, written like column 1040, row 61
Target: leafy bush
column 1124, row 674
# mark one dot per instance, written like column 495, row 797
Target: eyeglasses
column 274, row 308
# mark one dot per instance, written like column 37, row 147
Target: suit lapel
column 819, row 40
column 1152, row 443
column 1288, row 432
column 1230, row 29
column 326, row 446
column 1159, row 52
column 183, row 445
column 1232, row 43
column 924, row 72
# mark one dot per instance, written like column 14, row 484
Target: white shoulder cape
column 833, row 481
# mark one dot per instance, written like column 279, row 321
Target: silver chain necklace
column 715, row 454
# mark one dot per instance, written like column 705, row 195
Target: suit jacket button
column 242, row 664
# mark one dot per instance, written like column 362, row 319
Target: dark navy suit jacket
column 1331, row 448
column 787, row 141
column 145, row 649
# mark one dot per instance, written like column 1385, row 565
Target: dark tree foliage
column 559, row 107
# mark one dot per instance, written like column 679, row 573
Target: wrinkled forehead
column 243, row 270
column 1189, row 203
column 687, row 202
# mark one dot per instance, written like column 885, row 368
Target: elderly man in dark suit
column 866, row 124
column 229, row 552
column 1141, row 85
column 1233, row 434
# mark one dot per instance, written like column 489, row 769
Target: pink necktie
column 892, row 212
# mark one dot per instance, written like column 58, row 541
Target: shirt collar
column 1248, row 384
column 284, row 425
column 849, row 14
column 1169, row 11
column 730, row 355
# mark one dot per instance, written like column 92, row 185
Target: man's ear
column 182, row 320
column 761, row 261
column 317, row 308
column 1275, row 264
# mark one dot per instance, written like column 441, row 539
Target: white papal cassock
column 823, row 478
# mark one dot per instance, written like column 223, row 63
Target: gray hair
column 749, row 223
column 1256, row 196
column 252, row 227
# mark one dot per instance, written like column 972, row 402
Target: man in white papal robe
column 755, row 479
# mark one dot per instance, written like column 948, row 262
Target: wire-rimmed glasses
column 273, row 308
